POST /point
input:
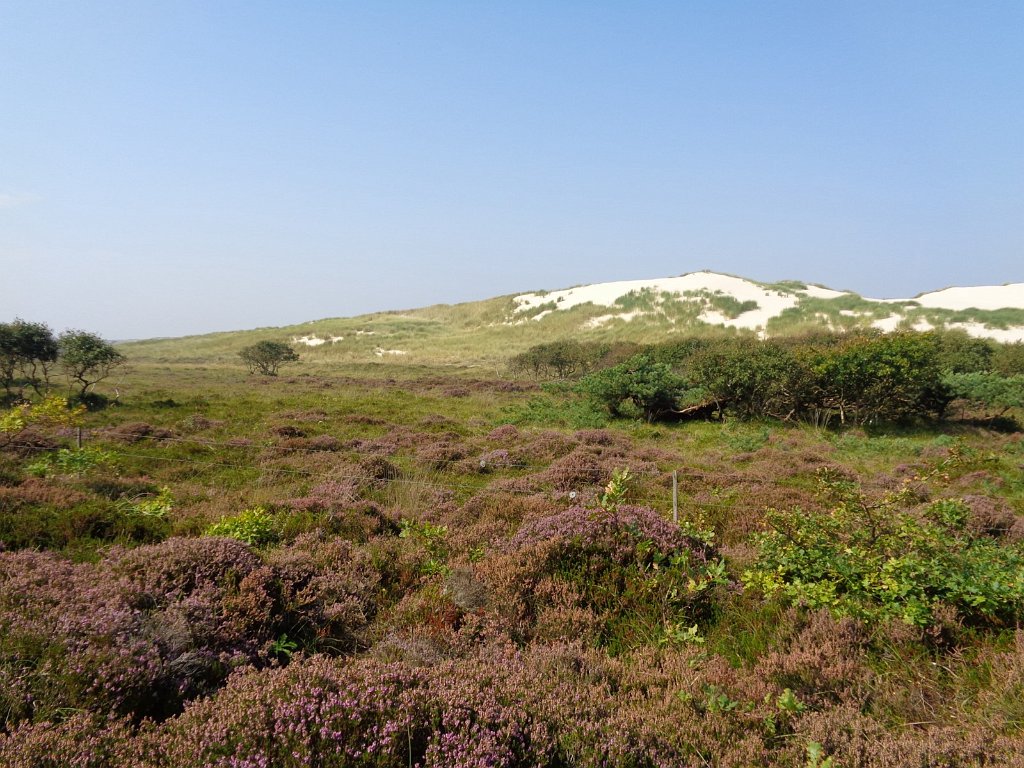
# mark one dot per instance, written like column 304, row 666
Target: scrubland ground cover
column 388, row 566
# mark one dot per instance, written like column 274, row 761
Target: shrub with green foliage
column 637, row 388
column 989, row 390
column 877, row 378
column 751, row 379
column 878, row 560
column 69, row 462
column 256, row 527
column 267, row 357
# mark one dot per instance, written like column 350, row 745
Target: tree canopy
column 87, row 359
column 266, row 357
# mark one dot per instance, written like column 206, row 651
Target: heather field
column 391, row 565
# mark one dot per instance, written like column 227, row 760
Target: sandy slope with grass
column 771, row 301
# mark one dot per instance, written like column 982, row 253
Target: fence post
column 79, row 439
column 675, row 496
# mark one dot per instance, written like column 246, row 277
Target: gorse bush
column 879, row 559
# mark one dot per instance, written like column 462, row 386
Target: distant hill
column 698, row 303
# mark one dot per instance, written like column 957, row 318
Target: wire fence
column 668, row 500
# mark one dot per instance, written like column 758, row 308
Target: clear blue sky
column 181, row 167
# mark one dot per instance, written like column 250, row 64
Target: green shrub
column 256, row 527
column 989, row 390
column 157, row 505
column 879, row 560
column 69, row 462
column 637, row 388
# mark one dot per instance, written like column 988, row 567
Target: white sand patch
column 381, row 352
column 366, row 333
column 770, row 303
column 605, row 294
column 818, row 292
column 597, row 322
column 316, row 341
column 979, row 297
column 922, row 325
column 713, row 317
column 888, row 324
column 979, row 331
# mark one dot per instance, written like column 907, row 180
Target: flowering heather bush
column 180, row 566
column 989, row 516
column 39, row 491
column 604, row 437
column 379, row 469
column 81, row 741
column 328, row 591
column 555, row 705
column 143, row 631
column 642, row 577
column 505, row 434
column 542, row 446
column 287, row 430
column 301, row 443
column 329, row 496
column 823, row 662
column 614, row 535
column 441, row 455
column 576, row 471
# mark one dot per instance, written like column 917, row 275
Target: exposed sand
column 1005, row 335
column 315, row 341
column 770, row 302
column 978, row 297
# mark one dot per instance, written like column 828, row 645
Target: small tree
column 266, row 357
column 87, row 359
column 27, row 350
column 638, row 387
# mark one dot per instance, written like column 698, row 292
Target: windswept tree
column 266, row 357
column 27, row 353
column 87, row 359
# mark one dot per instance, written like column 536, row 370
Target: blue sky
column 183, row 167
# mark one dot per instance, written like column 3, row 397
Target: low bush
column 255, row 526
column 877, row 560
